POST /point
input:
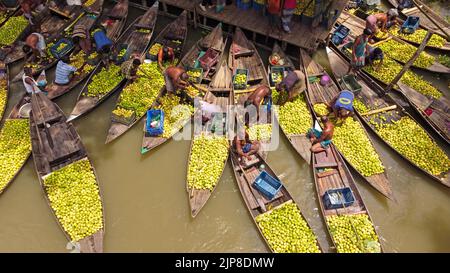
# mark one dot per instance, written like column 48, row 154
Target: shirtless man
column 243, row 146
column 165, row 54
column 176, row 78
column 258, row 96
column 320, row 140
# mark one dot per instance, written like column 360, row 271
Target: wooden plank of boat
column 424, row 21
column 316, row 93
column 238, row 58
column 56, row 144
column 357, row 27
column 221, row 96
column 437, row 122
column 340, row 177
column 53, row 29
column 86, row 103
column 370, row 95
column 300, row 143
column 212, row 39
column 255, row 202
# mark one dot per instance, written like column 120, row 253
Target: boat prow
column 116, row 130
column 198, row 199
column 92, row 243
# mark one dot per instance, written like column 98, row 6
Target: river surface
column 146, row 203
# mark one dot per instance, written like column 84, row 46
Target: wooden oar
column 74, row 22
column 376, row 111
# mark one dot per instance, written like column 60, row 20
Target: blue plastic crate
column 340, row 34
column 338, row 198
column 411, row 24
column 58, row 54
column 267, row 185
column 244, row 4
column 153, row 115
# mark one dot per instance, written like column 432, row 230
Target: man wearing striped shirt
column 64, row 71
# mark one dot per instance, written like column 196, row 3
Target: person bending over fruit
column 320, row 140
column 35, row 45
column 257, row 97
column 176, row 79
column 294, row 84
column 243, row 147
column 129, row 68
column 165, row 54
column 342, row 104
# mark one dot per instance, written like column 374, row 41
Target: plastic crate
column 244, row 85
column 338, row 198
column 276, row 69
column 340, row 34
column 153, row 115
column 199, row 79
column 209, row 59
column 411, row 24
column 267, row 185
column 350, row 83
column 60, row 53
column 244, row 4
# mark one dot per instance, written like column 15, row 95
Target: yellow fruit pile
column 321, row 109
column 193, row 74
column 387, row 72
column 3, row 96
column 15, row 146
column 104, row 81
column 286, row 230
column 276, row 77
column 88, row 3
column 418, row 36
column 208, row 158
column 403, row 52
column 192, row 91
column 74, row 196
column 353, row 233
column 261, row 132
column 141, row 94
column 155, row 49
column 240, row 79
column 11, row 30
column 302, row 7
column 294, row 117
column 408, row 138
column 176, row 114
column 352, row 141
column 122, row 112
column 360, row 107
column 444, row 60
column 122, row 53
column 78, row 60
column 61, row 46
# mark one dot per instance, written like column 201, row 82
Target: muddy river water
column 146, row 203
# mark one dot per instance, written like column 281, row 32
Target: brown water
column 147, row 208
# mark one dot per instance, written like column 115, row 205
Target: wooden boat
column 357, row 25
column 372, row 98
column 245, row 172
column 52, row 27
column 54, row 90
column 300, row 143
column 115, row 22
column 4, row 89
column 56, row 144
column 214, row 40
column 338, row 176
column 361, row 14
column 244, row 55
column 220, row 94
column 316, row 93
column 425, row 22
column 439, row 118
column 13, row 52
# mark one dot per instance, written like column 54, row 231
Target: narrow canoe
column 55, row 145
column 9, row 12
column 424, row 21
column 245, row 172
column 371, row 96
column 117, row 19
column 316, row 93
column 439, row 118
column 221, row 96
column 330, row 172
column 4, row 91
column 357, row 26
column 244, row 55
column 299, row 142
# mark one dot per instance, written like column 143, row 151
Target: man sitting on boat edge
column 243, row 146
column 320, row 140
column 176, row 79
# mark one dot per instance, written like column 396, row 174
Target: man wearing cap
column 342, row 104
column 294, row 84
column 81, row 38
